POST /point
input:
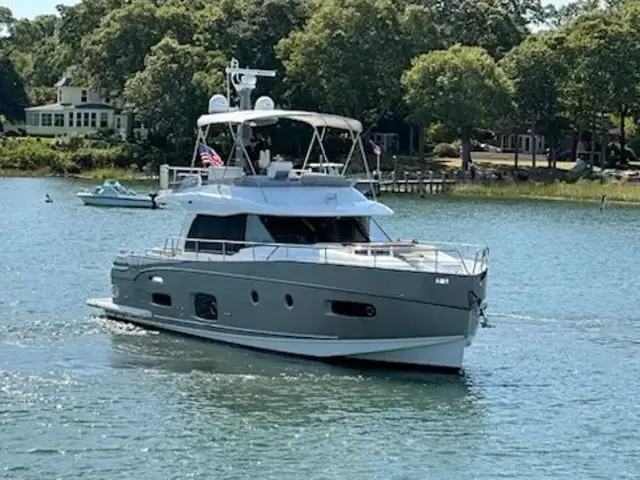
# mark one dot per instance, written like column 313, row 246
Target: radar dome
column 264, row 103
column 218, row 104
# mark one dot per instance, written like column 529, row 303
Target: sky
column 32, row 8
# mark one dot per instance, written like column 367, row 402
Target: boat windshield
column 310, row 230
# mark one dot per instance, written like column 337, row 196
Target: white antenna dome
column 218, row 104
column 264, row 103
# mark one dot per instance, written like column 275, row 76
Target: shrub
column 446, row 150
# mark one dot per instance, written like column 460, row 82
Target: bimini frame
column 319, row 122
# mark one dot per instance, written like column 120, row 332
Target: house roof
column 47, row 108
column 65, row 81
column 60, row 107
column 95, row 105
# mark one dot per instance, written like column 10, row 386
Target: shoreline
column 580, row 192
column 98, row 174
column 546, row 198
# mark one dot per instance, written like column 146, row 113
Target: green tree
column 174, row 86
column 461, row 87
column 13, row 98
column 602, row 54
column 79, row 20
column 349, row 57
column 117, row 49
column 249, row 31
column 495, row 25
column 535, row 68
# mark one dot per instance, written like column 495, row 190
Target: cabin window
column 310, row 230
column 376, row 233
column 205, row 306
column 161, row 299
column 208, row 227
column 288, row 301
column 353, row 309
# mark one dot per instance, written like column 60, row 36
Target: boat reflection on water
column 208, row 376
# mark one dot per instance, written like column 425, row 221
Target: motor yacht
column 295, row 260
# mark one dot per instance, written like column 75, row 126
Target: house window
column 59, row 96
column 104, row 120
column 70, row 119
column 93, row 119
column 118, row 122
column 46, row 119
column 86, row 119
column 83, row 96
column 33, row 118
column 78, row 119
column 137, row 124
column 58, row 120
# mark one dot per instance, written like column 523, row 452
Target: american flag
column 376, row 149
column 209, row 156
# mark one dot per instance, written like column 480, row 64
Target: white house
column 508, row 143
column 79, row 110
column 388, row 142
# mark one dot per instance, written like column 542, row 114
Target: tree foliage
column 346, row 45
column 13, row 98
column 175, row 78
column 461, row 87
column 429, row 60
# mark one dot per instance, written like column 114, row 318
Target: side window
column 205, row 306
column 161, row 299
column 208, row 227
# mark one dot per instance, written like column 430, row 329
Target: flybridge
column 242, row 119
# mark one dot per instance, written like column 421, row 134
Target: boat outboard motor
column 153, row 196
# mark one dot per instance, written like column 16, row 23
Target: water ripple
column 549, row 392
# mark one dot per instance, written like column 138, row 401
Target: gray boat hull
column 286, row 307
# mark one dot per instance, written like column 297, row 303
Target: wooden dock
column 416, row 184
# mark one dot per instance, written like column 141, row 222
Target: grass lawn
column 583, row 190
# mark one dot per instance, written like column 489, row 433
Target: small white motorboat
column 113, row 194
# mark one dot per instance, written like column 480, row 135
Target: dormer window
column 83, row 96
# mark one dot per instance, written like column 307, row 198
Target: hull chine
column 444, row 352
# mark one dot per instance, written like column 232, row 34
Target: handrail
column 462, row 258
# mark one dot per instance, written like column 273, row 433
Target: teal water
column 550, row 392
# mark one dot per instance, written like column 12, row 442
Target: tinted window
column 205, row 306
column 353, row 309
column 309, row 230
column 208, row 227
column 161, row 299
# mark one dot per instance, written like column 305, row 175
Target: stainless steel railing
column 442, row 257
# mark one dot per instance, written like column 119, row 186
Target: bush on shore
column 446, row 150
column 72, row 155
